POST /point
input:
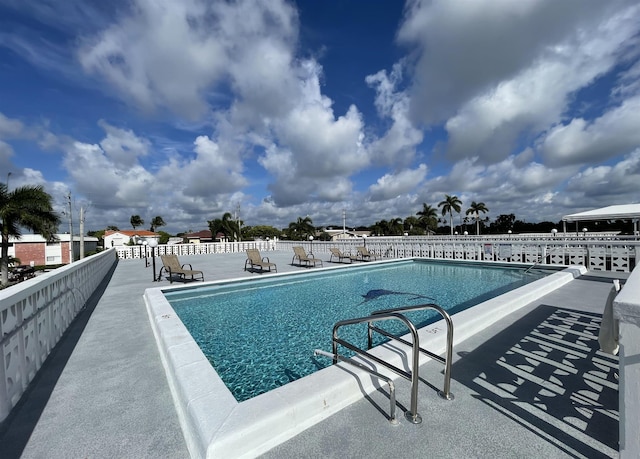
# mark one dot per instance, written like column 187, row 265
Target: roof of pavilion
column 618, row 212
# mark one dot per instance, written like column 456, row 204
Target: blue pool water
column 260, row 335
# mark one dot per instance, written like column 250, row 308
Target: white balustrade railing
column 203, row 248
column 35, row 314
column 595, row 254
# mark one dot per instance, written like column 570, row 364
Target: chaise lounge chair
column 303, row 258
column 172, row 266
column 335, row 252
column 254, row 259
column 365, row 255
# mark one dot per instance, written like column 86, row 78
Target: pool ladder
column 413, row 376
column 535, row 263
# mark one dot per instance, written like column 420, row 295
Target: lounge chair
column 303, row 258
column 365, row 255
column 335, row 252
column 254, row 259
column 172, row 266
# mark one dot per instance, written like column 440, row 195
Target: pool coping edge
column 215, row 424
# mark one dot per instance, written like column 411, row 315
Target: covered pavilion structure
column 617, row 212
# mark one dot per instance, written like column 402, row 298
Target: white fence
column 35, row 314
column 595, row 254
column 142, row 251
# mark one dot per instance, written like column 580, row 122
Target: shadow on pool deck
column 103, row 392
column 552, row 379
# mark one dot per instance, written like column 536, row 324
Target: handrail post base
column 413, row 418
column 445, row 396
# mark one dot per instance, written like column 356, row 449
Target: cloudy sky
column 188, row 109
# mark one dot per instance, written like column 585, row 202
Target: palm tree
column 428, row 217
column 215, row 226
column 396, row 227
column 226, row 225
column 29, row 207
column 230, row 227
column 155, row 222
column 412, row 225
column 475, row 208
column 136, row 221
column 376, row 229
column 450, row 204
column 301, row 229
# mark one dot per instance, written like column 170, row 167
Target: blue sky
column 189, row 109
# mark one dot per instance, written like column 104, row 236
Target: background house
column 198, row 237
column 127, row 237
column 340, row 234
column 34, row 250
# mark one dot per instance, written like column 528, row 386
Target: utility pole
column 344, row 221
column 81, row 233
column 70, row 230
column 238, row 222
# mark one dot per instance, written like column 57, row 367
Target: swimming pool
column 215, row 424
column 261, row 336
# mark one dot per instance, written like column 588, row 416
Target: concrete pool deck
column 103, row 391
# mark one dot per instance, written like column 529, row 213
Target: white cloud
column 323, row 146
column 6, row 152
column 397, row 146
column 174, row 55
column 96, row 177
column 618, row 182
column 505, row 71
column 171, row 54
column 614, row 133
column 312, row 152
column 122, row 146
column 516, row 185
column 466, row 46
column 393, row 185
column 490, row 124
column 10, row 127
column 211, row 172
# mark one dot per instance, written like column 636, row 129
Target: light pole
column 311, row 244
column 153, row 243
column 145, row 243
column 138, row 241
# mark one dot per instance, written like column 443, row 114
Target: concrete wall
column 626, row 308
column 34, row 315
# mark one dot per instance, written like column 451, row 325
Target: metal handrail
column 389, row 381
column 411, row 415
column 446, row 391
